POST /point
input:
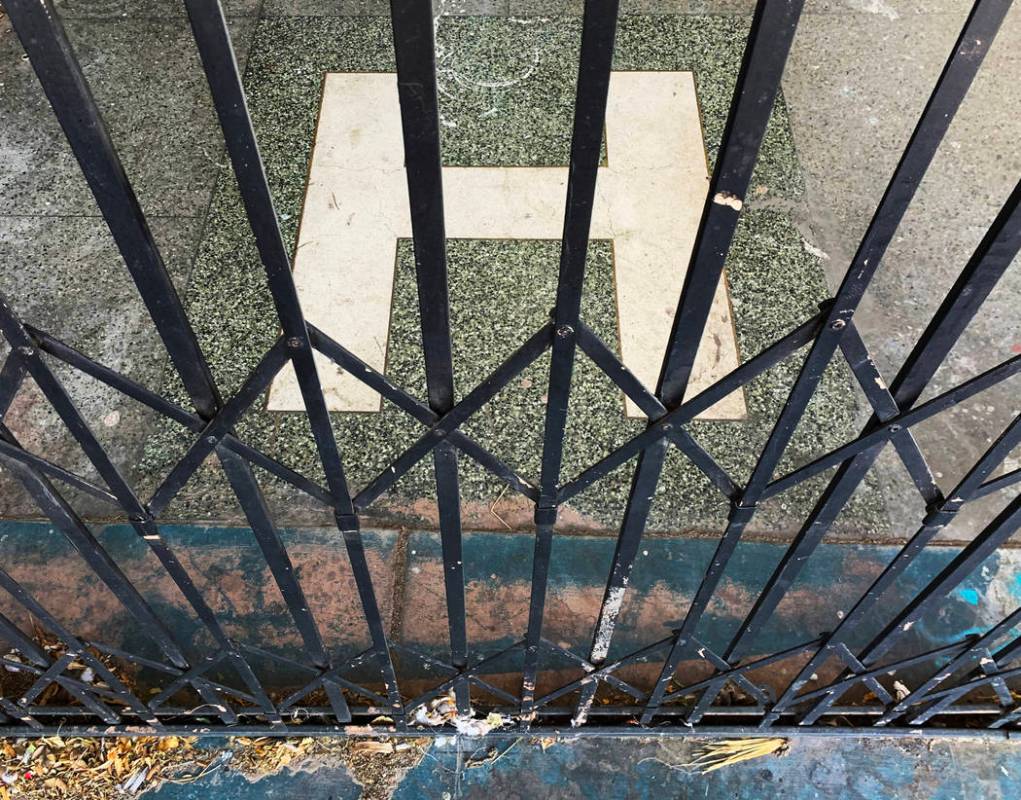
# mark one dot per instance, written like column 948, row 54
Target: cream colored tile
column 649, row 199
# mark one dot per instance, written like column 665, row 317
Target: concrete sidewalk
column 815, row 768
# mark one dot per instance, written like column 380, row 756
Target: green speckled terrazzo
column 506, row 95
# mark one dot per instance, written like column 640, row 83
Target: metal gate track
column 934, row 705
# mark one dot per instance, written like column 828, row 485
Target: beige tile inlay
column 649, row 198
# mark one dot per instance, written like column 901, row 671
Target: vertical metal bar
column 599, row 29
column 415, row 53
column 62, row 79
column 217, row 55
column 998, row 248
column 769, row 40
column 953, row 84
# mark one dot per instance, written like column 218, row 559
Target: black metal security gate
column 331, row 702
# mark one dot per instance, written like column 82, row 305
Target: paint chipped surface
column 728, row 199
column 607, row 621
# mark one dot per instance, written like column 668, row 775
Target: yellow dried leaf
column 371, row 746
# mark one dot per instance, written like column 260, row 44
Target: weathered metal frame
column 976, row 661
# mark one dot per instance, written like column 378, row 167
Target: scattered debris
column 443, row 711
column 379, row 773
column 491, row 757
column 468, row 726
column 113, row 769
column 14, row 682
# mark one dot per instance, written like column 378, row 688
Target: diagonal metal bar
column 1004, row 481
column 71, row 526
column 415, row 408
column 999, row 530
column 470, row 672
column 41, row 661
column 934, row 522
column 851, row 679
column 457, row 416
column 952, row 397
column 598, row 35
column 12, row 449
column 975, row 652
column 989, row 665
column 218, row 427
column 748, row 371
column 130, row 388
column 712, row 691
column 870, row 379
column 603, row 357
column 75, row 647
column 980, row 275
column 38, row 27
column 12, row 376
column 611, row 679
column 758, row 663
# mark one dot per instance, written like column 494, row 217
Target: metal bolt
column 565, row 331
column 211, row 439
column 894, row 428
column 295, row 342
column 837, row 324
column 26, row 350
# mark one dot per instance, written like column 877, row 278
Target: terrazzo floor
column 506, row 90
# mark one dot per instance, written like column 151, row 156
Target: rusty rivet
column 565, row 330
column 837, row 324
column 295, row 342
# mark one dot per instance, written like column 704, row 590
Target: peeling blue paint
column 969, row 596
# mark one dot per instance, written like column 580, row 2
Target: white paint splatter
column 729, row 200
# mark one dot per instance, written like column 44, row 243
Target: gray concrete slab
column 145, row 76
column 64, row 275
column 856, row 84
